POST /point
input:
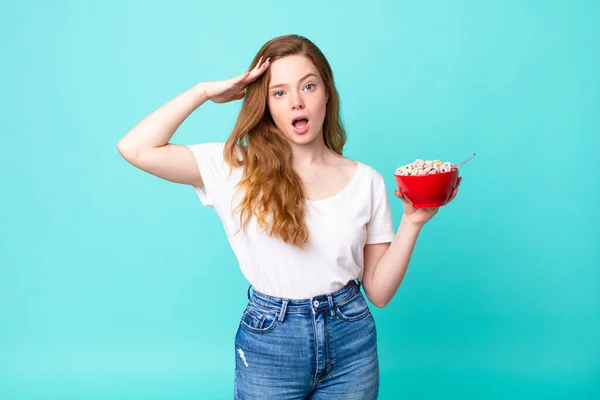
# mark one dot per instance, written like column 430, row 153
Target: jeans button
column 316, row 303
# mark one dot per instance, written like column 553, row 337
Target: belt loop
column 283, row 310
column 331, row 309
column 359, row 284
column 249, row 291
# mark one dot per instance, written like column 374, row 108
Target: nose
column 297, row 102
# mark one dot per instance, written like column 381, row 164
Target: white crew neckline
column 354, row 178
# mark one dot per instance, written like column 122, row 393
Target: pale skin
column 295, row 89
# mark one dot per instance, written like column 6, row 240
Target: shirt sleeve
column 380, row 228
column 214, row 172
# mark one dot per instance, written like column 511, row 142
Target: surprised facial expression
column 297, row 99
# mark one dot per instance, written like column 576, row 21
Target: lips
column 300, row 124
column 299, row 118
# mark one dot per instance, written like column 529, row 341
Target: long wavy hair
column 273, row 191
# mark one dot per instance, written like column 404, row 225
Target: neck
column 310, row 154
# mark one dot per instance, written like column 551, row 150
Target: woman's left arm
column 385, row 264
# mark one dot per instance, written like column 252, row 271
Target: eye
column 309, row 86
column 277, row 93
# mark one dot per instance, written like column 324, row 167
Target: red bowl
column 426, row 191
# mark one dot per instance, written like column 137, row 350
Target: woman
column 305, row 223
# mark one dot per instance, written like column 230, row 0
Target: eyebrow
column 303, row 78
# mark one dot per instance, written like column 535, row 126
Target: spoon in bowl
column 468, row 159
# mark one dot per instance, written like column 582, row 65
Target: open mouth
column 300, row 123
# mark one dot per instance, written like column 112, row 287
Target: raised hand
column 233, row 89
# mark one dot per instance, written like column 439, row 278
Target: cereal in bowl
column 429, row 167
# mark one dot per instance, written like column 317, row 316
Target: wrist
column 200, row 91
column 409, row 224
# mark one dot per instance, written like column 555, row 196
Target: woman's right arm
column 147, row 145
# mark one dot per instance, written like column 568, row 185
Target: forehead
column 288, row 70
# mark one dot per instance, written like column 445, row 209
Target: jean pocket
column 259, row 320
column 354, row 309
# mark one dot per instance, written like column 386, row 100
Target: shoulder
column 213, row 150
column 216, row 147
column 344, row 163
column 207, row 150
column 371, row 175
column 364, row 172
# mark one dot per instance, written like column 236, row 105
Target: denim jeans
column 320, row 348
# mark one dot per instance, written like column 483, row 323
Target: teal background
column 117, row 285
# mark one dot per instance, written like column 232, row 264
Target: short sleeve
column 380, row 228
column 214, row 171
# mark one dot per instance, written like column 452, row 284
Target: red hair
column 273, row 191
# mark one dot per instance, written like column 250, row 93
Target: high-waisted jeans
column 320, row 348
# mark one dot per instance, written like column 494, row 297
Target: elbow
column 380, row 304
column 126, row 151
column 377, row 301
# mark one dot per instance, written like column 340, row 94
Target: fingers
column 240, row 82
column 257, row 64
column 454, row 193
column 240, row 78
column 262, row 66
column 258, row 70
column 399, row 194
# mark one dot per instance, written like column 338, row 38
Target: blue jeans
column 320, row 348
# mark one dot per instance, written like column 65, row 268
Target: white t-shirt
column 339, row 227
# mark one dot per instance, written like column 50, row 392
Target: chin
column 305, row 139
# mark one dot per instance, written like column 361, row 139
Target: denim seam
column 346, row 297
column 355, row 318
column 329, row 367
column 316, row 352
column 262, row 330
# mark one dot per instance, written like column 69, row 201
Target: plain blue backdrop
column 115, row 284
